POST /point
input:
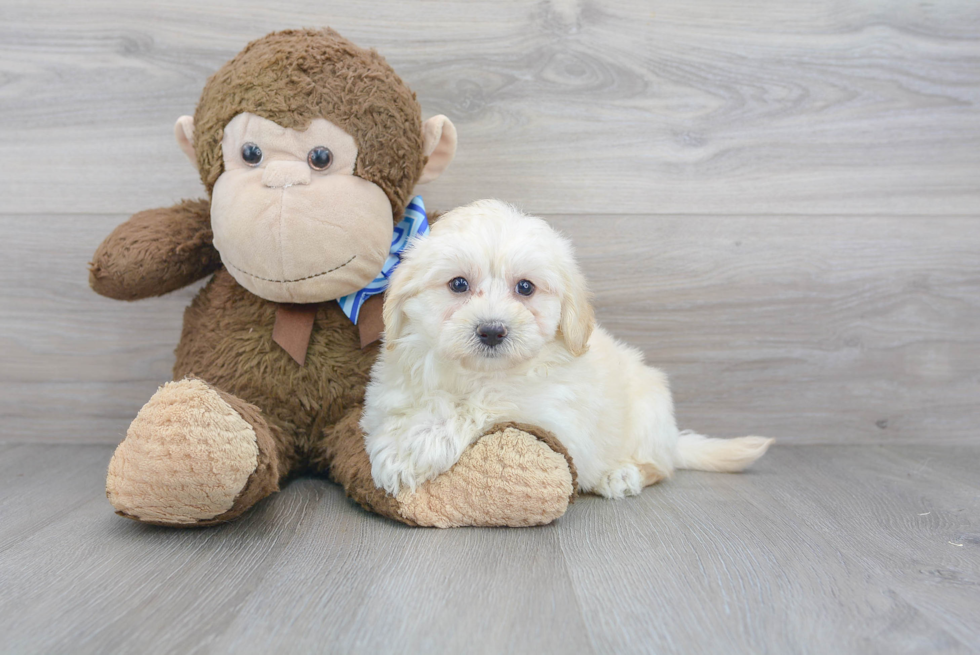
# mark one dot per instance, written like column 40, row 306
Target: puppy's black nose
column 491, row 334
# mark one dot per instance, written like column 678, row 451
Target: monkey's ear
column 184, row 131
column 439, row 145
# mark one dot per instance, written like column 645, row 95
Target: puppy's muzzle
column 491, row 334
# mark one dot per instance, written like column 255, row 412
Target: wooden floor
column 819, row 549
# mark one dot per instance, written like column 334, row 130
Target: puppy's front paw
column 388, row 469
column 422, row 453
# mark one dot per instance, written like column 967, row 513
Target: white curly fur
column 436, row 388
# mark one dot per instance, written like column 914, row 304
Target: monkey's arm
column 155, row 252
column 515, row 475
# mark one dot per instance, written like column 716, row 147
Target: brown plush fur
column 492, row 483
column 294, row 76
column 552, row 442
column 187, row 456
column 269, row 470
column 305, row 418
column 341, row 454
column 227, row 340
column 155, row 252
column 263, row 481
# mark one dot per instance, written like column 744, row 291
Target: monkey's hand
column 155, row 252
column 515, row 475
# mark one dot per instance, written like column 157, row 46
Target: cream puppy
column 487, row 320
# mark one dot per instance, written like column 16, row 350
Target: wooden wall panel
column 777, row 202
column 828, row 330
column 569, row 107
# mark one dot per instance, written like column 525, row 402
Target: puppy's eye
column 320, row 158
column 459, row 285
column 251, row 154
column 525, row 287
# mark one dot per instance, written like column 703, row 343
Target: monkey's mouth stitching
column 299, row 279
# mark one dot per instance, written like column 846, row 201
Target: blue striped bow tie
column 414, row 224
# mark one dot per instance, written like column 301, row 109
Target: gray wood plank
column 117, row 586
column 64, row 482
column 917, row 507
column 306, row 557
column 417, row 591
column 796, row 556
column 843, row 329
column 819, row 549
column 568, row 107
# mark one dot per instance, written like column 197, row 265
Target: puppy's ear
column 404, row 284
column 577, row 317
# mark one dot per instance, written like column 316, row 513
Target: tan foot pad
column 186, row 456
column 507, row 478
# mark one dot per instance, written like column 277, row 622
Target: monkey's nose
column 280, row 174
column 491, row 334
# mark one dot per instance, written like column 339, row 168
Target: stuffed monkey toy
column 309, row 148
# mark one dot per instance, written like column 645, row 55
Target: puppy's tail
column 701, row 453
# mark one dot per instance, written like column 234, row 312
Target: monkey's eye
column 525, row 287
column 320, row 158
column 459, row 285
column 251, row 154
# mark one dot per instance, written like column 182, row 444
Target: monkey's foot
column 193, row 456
column 516, row 476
